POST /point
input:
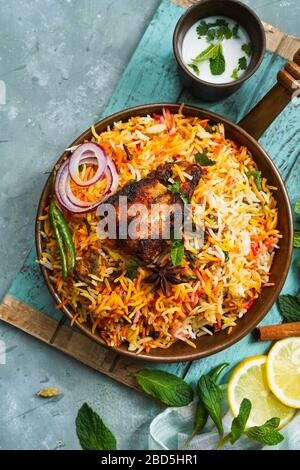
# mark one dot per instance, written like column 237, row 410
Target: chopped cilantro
column 243, row 63
column 247, row 48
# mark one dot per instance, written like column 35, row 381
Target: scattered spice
column 48, row 392
column 164, row 277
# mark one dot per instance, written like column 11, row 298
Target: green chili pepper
column 65, row 233
column 218, row 370
column 59, row 240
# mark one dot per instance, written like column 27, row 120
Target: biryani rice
column 228, row 272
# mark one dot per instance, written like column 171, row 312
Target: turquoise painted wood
column 151, row 76
column 29, row 287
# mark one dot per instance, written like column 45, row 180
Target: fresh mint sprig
column 213, row 53
column 202, row 413
column 211, row 395
column 267, row 433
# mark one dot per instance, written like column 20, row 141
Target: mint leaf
column 217, row 64
column 165, row 387
column 239, row 423
column 177, row 252
column 211, row 395
column 243, row 63
column 92, row 432
column 132, row 269
column 203, row 159
column 195, row 69
column 216, row 372
column 234, row 74
column 235, row 31
column 297, row 207
column 209, row 53
column 201, row 412
column 289, row 306
column 297, row 239
column 267, row 433
column 256, row 176
column 199, row 423
column 247, row 48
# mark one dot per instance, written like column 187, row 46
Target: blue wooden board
column 151, row 76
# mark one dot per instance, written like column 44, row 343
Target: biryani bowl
column 207, row 344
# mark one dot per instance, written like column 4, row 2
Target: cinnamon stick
column 274, row 332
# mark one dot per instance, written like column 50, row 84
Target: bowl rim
column 226, row 85
column 191, row 354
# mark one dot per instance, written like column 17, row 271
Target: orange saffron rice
column 226, row 275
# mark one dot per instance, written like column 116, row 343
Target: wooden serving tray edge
column 68, row 340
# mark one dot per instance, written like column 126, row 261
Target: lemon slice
column 283, row 371
column 249, row 380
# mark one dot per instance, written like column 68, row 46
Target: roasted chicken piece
column 150, row 232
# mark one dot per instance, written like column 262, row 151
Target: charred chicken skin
column 154, row 191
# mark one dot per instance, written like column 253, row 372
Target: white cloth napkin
column 170, row 429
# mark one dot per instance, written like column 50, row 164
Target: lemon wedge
column 249, row 380
column 283, row 371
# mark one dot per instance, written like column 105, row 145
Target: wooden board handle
column 264, row 113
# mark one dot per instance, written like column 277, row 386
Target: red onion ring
column 84, row 152
column 112, row 179
column 61, row 182
column 64, row 192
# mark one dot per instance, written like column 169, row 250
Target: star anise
column 163, row 277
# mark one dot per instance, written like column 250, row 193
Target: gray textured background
column 60, row 60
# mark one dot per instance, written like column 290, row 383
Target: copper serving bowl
column 206, row 345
